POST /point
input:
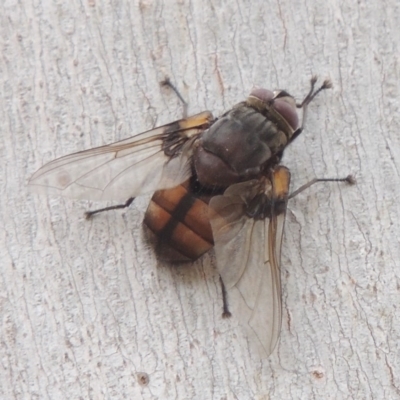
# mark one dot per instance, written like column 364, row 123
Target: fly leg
column 327, row 84
column 167, row 82
column 225, row 309
column 89, row 214
column 349, row 179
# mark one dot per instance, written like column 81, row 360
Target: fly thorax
column 236, row 147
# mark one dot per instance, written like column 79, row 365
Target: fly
column 217, row 182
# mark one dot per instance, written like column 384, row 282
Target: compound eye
column 281, row 101
column 286, row 106
column 264, row 95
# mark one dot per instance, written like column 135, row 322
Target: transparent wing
column 248, row 259
column 156, row 159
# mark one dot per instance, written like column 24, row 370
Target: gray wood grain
column 86, row 309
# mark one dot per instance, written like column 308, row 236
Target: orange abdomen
column 179, row 219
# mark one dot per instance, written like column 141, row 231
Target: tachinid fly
column 217, row 182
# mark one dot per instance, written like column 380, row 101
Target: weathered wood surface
column 85, row 307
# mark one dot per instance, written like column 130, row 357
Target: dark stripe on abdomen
column 180, row 219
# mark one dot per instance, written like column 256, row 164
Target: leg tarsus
column 167, row 82
column 89, row 214
column 225, row 309
column 327, row 84
column 313, row 81
column 349, row 179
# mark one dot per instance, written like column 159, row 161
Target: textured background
column 84, row 306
